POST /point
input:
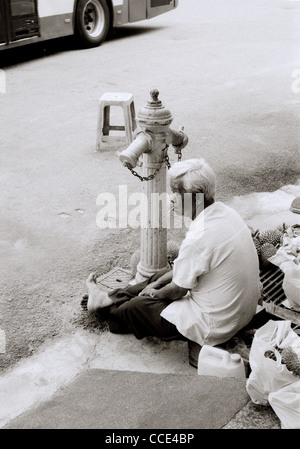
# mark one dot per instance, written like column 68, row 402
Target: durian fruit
column 291, row 360
column 267, row 250
column 272, row 236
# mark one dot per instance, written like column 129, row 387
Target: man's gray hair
column 193, row 176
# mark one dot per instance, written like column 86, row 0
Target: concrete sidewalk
column 87, row 380
column 104, row 399
column 117, row 382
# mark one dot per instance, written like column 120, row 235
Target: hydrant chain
column 167, row 160
column 148, row 178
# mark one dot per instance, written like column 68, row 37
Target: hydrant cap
column 154, row 113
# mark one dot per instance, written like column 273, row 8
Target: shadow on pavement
column 18, row 55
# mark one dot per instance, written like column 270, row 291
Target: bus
column 27, row 21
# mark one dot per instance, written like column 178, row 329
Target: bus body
column 26, row 21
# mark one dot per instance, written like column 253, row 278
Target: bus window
column 156, row 7
column 156, row 3
column 22, row 7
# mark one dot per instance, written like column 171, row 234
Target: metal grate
column 273, row 296
column 115, row 278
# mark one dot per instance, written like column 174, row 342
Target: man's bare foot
column 98, row 299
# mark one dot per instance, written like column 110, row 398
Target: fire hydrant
column 152, row 144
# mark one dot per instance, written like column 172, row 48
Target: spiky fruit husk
column 272, row 236
column 267, row 250
column 291, row 360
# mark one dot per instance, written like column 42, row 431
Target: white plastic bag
column 269, row 375
column 291, row 285
column 286, row 404
column 288, row 259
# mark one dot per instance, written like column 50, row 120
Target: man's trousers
column 140, row 315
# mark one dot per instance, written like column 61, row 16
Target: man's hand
column 149, row 289
column 171, row 291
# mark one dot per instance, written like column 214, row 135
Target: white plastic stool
column 126, row 102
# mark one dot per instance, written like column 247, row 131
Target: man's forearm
column 165, row 279
column 171, row 291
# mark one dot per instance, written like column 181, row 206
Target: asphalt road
column 226, row 70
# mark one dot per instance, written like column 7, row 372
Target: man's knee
column 130, row 308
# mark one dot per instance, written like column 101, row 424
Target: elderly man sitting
column 212, row 291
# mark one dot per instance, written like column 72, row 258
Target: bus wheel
column 92, row 22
